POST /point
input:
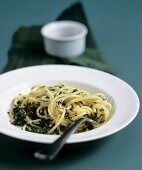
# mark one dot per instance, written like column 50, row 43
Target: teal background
column 117, row 29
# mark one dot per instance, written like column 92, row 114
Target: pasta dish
column 53, row 109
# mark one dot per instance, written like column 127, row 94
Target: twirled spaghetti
column 53, row 109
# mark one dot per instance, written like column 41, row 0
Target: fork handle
column 49, row 152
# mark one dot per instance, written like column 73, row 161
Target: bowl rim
column 78, row 36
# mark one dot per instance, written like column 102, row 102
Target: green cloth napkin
column 27, row 47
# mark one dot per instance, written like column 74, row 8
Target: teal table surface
column 117, row 28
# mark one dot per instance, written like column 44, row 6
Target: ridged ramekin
column 64, row 38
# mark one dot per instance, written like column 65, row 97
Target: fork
column 50, row 152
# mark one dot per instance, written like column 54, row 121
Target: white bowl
column 64, row 38
column 125, row 100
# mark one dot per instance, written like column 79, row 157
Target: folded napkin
column 27, row 47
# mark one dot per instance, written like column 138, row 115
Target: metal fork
column 50, row 151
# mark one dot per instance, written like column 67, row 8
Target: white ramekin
column 64, row 38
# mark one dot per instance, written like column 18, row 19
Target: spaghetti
column 53, row 109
